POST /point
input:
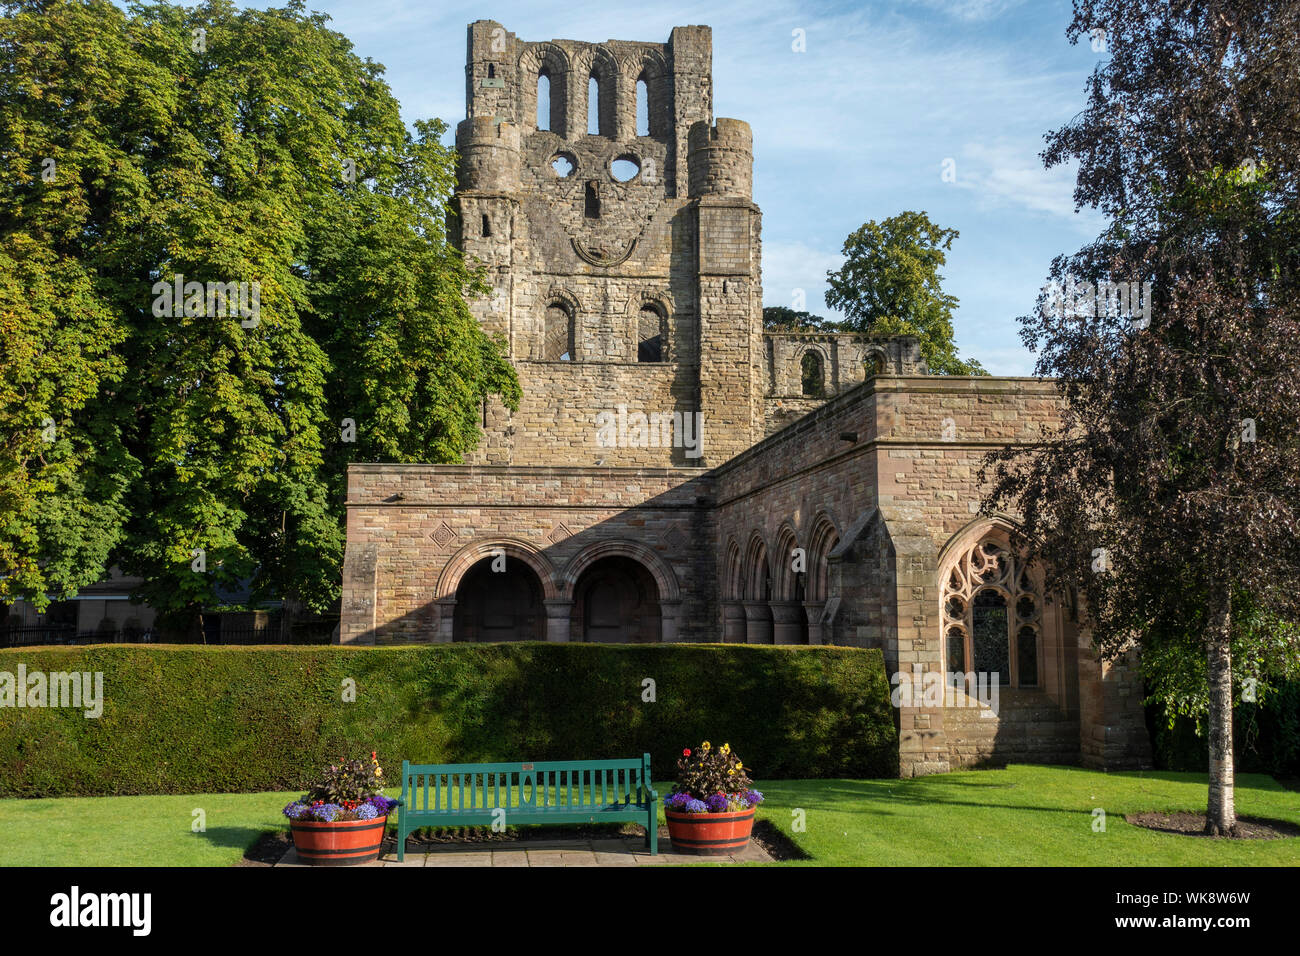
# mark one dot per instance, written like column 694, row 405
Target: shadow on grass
column 236, row 838
column 871, row 797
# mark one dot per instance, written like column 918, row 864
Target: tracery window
column 992, row 616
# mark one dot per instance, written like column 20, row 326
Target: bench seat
column 506, row 794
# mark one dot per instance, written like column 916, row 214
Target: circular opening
column 625, row 168
column 564, row 164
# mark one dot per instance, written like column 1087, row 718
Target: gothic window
column 593, row 106
column 592, row 206
column 558, row 341
column 875, row 364
column 992, row 616
column 544, row 100
column 813, row 381
column 650, row 335
column 642, row 107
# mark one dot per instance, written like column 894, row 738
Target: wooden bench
column 565, row 791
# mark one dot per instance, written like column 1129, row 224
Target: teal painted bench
column 563, row 791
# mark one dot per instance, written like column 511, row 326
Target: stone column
column 758, row 623
column 446, row 620
column 786, row 622
column 733, row 622
column 814, row 611
column 670, row 613
column 559, row 612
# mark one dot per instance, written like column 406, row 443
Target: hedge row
column 185, row 719
column 1266, row 737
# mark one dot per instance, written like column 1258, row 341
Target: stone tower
column 624, row 261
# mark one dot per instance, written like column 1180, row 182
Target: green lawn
column 1021, row 816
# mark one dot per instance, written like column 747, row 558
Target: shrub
column 195, row 719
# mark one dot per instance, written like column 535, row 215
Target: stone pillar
column 669, row 616
column 814, row 611
column 446, row 621
column 559, row 612
column 786, row 622
column 733, row 622
column 1112, row 724
column 758, row 623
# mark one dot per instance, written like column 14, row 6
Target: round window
column 625, row 168
column 564, row 164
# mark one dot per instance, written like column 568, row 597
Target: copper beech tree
column 1168, row 500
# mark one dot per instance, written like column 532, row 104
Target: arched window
column 557, row 345
column 642, row 107
column 992, row 616
column 813, row 379
column 492, row 71
column 593, row 106
column 544, row 100
column 650, row 337
column 875, row 364
column 591, row 206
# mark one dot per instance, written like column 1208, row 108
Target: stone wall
column 414, row 530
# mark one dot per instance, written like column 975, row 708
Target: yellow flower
column 705, row 745
column 378, row 772
column 739, row 765
column 726, row 748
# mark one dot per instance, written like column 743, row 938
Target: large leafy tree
column 778, row 318
column 890, row 284
column 224, row 146
column 1168, row 498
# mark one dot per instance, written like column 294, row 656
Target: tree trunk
column 1221, row 813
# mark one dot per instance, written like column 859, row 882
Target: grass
column 1021, row 816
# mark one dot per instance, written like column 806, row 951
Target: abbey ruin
column 675, row 473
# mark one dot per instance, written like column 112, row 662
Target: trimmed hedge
column 1266, row 738
column 187, row 719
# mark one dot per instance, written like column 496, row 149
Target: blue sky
column 855, row 128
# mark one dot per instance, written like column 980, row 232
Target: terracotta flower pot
column 710, row 834
column 342, row 843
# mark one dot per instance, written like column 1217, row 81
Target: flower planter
column 342, row 843
column 710, row 834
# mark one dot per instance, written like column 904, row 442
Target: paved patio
column 614, row 851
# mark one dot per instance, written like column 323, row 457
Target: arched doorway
column 501, row 605
column 616, row 601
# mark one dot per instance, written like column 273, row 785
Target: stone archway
column 616, row 601
column 499, row 605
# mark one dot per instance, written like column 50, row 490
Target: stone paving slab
column 615, row 851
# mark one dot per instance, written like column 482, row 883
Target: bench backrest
column 441, row 788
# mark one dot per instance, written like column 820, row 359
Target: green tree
column 890, row 285
column 777, row 318
column 1167, row 498
column 223, row 146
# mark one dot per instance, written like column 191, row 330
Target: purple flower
column 753, row 798
column 717, row 803
column 677, row 801
column 383, row 805
column 695, row 806
column 327, row 812
column 297, row 810
column 367, row 811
